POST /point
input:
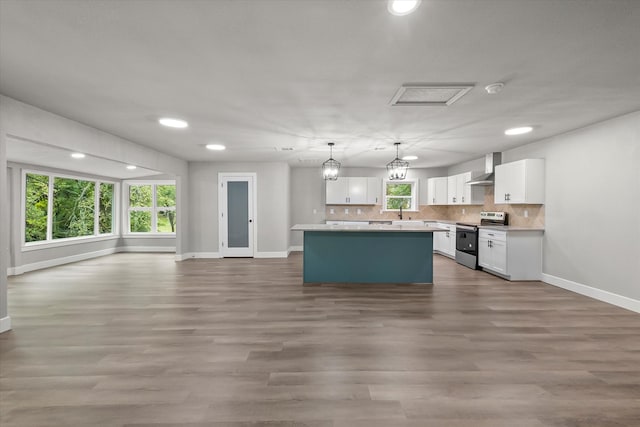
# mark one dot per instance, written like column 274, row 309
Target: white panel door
column 236, row 216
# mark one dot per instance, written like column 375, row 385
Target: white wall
column 5, row 323
column 592, row 208
column 273, row 205
column 307, row 195
column 592, row 204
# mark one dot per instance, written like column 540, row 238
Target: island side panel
column 368, row 257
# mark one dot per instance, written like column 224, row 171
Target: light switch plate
column 346, row 211
column 526, row 213
column 359, row 211
column 331, row 211
column 315, row 211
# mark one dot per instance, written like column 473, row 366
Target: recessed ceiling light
column 78, row 155
column 173, row 123
column 494, row 88
column 518, row 131
column 131, row 167
column 215, row 147
column 410, row 158
column 402, row 7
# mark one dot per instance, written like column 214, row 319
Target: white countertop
column 510, row 228
column 365, row 228
column 445, row 221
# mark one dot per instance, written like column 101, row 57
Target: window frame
column 153, row 209
column 414, row 195
column 50, row 242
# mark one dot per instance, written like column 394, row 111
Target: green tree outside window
column 73, row 208
column 36, row 206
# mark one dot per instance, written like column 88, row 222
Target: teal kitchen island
column 367, row 253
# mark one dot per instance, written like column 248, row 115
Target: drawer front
column 499, row 236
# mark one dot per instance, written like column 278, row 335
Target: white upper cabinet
column 374, row 191
column 520, row 182
column 461, row 193
column 437, row 191
column 337, row 191
column 353, row 191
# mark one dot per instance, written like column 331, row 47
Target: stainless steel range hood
column 491, row 160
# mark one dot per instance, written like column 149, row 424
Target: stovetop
column 469, row 224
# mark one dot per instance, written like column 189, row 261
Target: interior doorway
column 236, row 216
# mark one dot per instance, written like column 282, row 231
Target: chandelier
column 331, row 167
column 397, row 169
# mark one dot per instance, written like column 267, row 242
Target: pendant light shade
column 331, row 167
column 397, row 169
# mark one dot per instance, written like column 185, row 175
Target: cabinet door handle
column 434, row 200
column 462, row 199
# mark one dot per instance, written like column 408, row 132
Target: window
column 36, row 207
column 62, row 207
column 73, row 208
column 152, row 208
column 400, row 194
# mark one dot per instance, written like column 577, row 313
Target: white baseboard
column 190, row 255
column 25, row 268
column 283, row 254
column 147, row 249
column 21, row 269
column 296, row 249
column 5, row 324
column 595, row 293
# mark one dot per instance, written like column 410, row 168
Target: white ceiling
column 261, row 75
column 39, row 154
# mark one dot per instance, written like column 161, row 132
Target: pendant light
column 331, row 167
column 397, row 169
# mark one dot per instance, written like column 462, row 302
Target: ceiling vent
column 438, row 95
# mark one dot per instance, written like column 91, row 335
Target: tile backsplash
column 519, row 215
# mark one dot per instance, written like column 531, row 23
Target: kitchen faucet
column 400, row 214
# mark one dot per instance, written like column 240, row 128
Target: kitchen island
column 367, row 253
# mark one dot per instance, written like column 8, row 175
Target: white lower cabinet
column 492, row 251
column 444, row 242
column 513, row 255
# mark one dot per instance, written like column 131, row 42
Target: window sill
column 398, row 210
column 36, row 246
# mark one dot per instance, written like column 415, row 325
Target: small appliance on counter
column 467, row 237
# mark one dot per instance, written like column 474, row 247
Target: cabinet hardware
column 462, row 199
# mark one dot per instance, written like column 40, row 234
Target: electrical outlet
column 359, row 211
column 332, row 211
column 315, row 211
column 346, row 211
column 464, row 211
column 526, row 213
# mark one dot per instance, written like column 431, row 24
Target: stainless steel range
column 467, row 237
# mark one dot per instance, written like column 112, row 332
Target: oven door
column 467, row 240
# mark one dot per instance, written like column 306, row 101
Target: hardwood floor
column 139, row 340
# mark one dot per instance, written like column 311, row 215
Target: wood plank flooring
column 140, row 340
